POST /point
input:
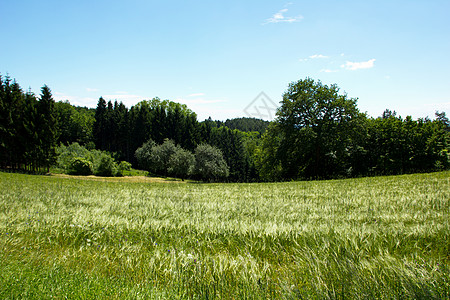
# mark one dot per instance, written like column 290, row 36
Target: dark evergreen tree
column 122, row 132
column 47, row 128
column 29, row 135
column 100, row 125
column 232, row 147
column 247, row 124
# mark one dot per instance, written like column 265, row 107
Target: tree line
column 28, row 127
column 318, row 133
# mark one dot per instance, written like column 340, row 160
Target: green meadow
column 368, row 238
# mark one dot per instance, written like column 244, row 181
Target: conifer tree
column 47, row 128
column 100, row 124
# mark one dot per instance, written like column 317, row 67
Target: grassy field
column 380, row 238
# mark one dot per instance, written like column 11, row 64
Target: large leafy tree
column 160, row 156
column 316, row 126
column 209, row 163
column 143, row 155
column 74, row 123
column 181, row 163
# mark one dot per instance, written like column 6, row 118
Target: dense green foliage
column 242, row 124
column 170, row 159
column 80, row 166
column 106, row 167
column 318, row 133
column 75, row 159
column 28, row 128
column 209, row 163
column 75, row 124
column 367, row 238
column 181, row 163
column 119, row 130
column 123, row 167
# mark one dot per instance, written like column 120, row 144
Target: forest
column 318, row 134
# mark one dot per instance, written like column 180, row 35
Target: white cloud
column 422, row 110
column 204, row 108
column 74, row 100
column 358, row 65
column 280, row 17
column 315, row 56
column 318, row 56
column 91, row 90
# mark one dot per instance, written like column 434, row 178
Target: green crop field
column 368, row 238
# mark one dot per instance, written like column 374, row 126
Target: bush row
column 77, row 160
column 206, row 163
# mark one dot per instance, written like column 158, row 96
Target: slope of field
column 383, row 238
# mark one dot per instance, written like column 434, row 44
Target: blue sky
column 217, row 56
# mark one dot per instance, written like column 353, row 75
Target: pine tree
column 47, row 128
column 100, row 124
column 29, row 135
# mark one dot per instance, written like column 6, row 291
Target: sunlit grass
column 384, row 237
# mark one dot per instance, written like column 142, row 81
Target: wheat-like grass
column 384, row 237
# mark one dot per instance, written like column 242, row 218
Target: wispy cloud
column 358, row 65
column 91, row 90
column 279, row 17
column 315, row 56
column 74, row 100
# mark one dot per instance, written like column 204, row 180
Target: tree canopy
column 318, row 133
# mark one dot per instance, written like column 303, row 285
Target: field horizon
column 146, row 238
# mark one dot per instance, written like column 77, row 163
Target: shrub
column 123, row 166
column 181, row 163
column 66, row 154
column 80, row 166
column 155, row 158
column 160, row 157
column 143, row 154
column 107, row 166
column 209, row 163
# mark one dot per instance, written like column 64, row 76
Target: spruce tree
column 100, row 124
column 47, row 128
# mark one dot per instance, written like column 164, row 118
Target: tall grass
column 384, row 238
